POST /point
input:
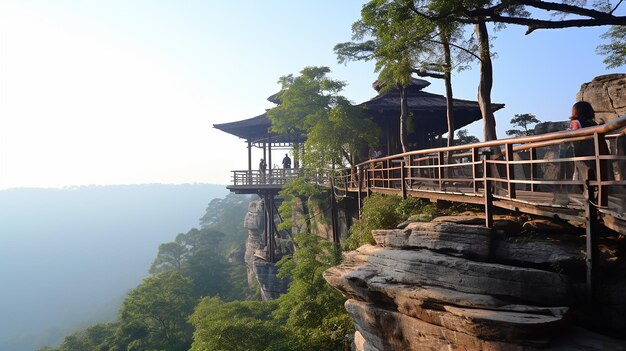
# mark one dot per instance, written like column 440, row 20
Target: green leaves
column 154, row 315
column 615, row 50
column 335, row 130
column 523, row 121
column 463, row 138
column 239, row 325
column 309, row 317
column 380, row 212
column 304, row 100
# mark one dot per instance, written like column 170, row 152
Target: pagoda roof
column 430, row 109
column 256, row 129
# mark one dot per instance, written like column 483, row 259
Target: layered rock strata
column 260, row 271
column 434, row 286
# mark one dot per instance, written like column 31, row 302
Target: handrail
column 612, row 125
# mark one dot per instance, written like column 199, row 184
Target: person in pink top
column 582, row 115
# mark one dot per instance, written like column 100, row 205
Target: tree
column 403, row 43
column 538, row 14
column 523, row 121
column 452, row 11
column 309, row 317
column 313, row 310
column 99, row 337
column 175, row 254
column 225, row 215
column 463, row 138
column 196, row 255
column 237, row 325
column 154, row 315
column 336, row 132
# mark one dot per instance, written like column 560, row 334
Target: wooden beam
column 591, row 240
column 510, row 170
column 601, row 168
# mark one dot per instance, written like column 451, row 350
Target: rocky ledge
column 446, row 285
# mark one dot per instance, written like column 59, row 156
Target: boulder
column 465, row 240
column 427, row 268
column 607, row 95
column 462, row 219
column 386, row 330
column 420, row 217
column 547, row 226
column 536, row 251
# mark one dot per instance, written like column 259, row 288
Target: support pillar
column 487, row 191
column 249, row 162
column 334, row 216
column 360, row 189
column 271, row 242
column 591, row 236
column 269, row 156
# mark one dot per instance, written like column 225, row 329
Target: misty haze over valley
column 69, row 256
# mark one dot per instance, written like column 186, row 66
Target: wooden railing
column 538, row 173
column 277, row 176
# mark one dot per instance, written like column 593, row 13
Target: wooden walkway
column 550, row 175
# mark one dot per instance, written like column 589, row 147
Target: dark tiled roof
column 419, row 101
column 256, row 129
column 428, row 108
column 249, row 129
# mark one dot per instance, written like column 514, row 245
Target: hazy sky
column 127, row 91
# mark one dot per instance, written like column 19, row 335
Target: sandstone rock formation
column 445, row 285
column 259, row 270
column 607, row 95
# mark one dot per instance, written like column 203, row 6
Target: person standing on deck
column 262, row 168
column 286, row 165
column 582, row 117
column 286, row 161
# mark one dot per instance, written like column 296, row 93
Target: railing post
column 488, row 196
column 533, row 169
column 601, row 168
column 591, row 233
column 403, row 179
column 367, row 179
column 359, row 174
column 333, row 212
column 475, row 168
column 439, row 169
column 510, row 170
column 388, row 176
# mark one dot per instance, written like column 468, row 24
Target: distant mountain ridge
column 66, row 252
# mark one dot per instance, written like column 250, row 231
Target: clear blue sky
column 124, row 92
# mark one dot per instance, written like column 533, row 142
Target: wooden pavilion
column 428, row 112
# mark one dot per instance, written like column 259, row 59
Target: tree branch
column 534, row 24
column 616, row 6
column 562, row 7
column 424, row 73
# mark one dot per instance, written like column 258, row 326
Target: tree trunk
column 404, row 115
column 448, row 82
column 486, row 81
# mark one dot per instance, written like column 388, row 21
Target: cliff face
column 259, row 269
column 313, row 216
column 445, row 285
